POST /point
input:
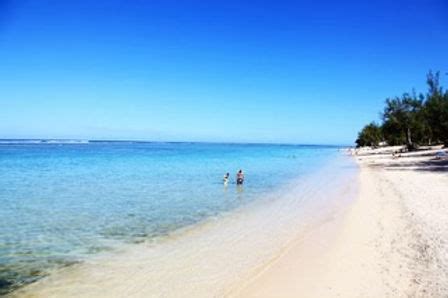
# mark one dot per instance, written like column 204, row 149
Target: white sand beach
column 393, row 242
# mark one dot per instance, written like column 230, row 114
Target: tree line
column 411, row 119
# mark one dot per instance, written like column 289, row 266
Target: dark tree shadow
column 433, row 165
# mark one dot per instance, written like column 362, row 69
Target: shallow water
column 62, row 203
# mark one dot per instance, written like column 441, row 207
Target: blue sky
column 258, row 71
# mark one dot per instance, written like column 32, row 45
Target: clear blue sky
column 258, row 71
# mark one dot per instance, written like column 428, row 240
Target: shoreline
column 196, row 263
column 391, row 242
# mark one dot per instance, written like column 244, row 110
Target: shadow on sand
column 433, row 165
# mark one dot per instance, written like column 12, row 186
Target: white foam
column 41, row 141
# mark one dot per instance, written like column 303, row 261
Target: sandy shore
column 393, row 242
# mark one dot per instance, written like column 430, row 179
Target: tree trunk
column 408, row 139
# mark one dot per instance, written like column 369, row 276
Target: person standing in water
column 226, row 178
column 239, row 177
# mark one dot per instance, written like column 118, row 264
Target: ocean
column 65, row 202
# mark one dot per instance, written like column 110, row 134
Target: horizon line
column 169, row 142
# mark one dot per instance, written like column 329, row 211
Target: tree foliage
column 370, row 135
column 401, row 118
column 412, row 119
column 436, row 109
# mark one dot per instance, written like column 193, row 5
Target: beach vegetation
column 370, row 135
column 402, row 119
column 436, row 109
column 411, row 119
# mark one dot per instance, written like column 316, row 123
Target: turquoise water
column 62, row 202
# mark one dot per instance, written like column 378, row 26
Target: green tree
column 412, row 119
column 370, row 135
column 402, row 118
column 436, row 109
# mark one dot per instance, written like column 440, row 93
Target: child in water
column 226, row 178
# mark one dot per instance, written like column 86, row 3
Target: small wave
column 41, row 141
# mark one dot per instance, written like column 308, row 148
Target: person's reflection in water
column 240, row 192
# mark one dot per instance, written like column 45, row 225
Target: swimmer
column 240, row 177
column 226, row 178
